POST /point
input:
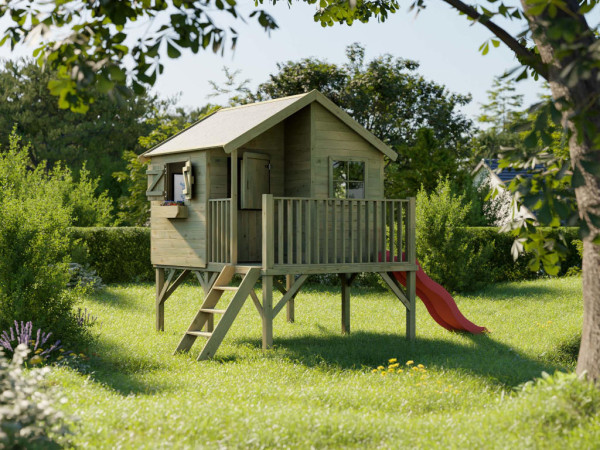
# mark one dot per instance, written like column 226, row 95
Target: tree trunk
column 580, row 97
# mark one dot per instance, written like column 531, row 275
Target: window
column 348, row 179
column 179, row 182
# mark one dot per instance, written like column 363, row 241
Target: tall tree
column 99, row 137
column 418, row 118
column 503, row 106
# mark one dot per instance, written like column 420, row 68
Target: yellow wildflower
column 60, row 357
column 380, row 368
column 393, row 366
column 393, row 360
column 400, row 370
column 62, row 350
column 36, row 360
column 39, row 350
column 82, row 355
column 383, row 374
column 421, row 366
column 415, row 368
column 408, row 363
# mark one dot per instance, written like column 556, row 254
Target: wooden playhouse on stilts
column 276, row 190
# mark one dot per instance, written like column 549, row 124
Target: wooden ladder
column 208, row 310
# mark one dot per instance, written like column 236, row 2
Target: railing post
column 410, row 236
column 268, row 231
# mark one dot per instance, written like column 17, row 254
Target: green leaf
column 172, row 51
column 495, row 43
column 104, row 84
column 117, row 74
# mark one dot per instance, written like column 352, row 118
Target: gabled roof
column 507, row 174
column 230, row 128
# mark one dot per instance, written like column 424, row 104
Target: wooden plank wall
column 182, row 242
column 297, row 154
column 333, row 138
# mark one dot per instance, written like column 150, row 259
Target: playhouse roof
column 230, row 128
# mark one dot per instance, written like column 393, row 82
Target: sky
column 444, row 43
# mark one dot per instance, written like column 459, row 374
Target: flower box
column 171, row 212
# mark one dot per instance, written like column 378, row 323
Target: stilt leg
column 289, row 281
column 345, row 304
column 411, row 313
column 267, row 290
column 160, row 305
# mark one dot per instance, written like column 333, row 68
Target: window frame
column 347, row 159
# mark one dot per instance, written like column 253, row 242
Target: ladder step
column 213, row 311
column 199, row 333
column 226, row 288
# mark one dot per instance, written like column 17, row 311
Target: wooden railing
column 219, row 230
column 309, row 231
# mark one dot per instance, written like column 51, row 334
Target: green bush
column 443, row 245
column 34, row 247
column 503, row 267
column 88, row 208
column 118, row 254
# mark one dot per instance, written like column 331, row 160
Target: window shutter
column 156, row 182
column 188, row 179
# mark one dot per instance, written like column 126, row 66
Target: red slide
column 440, row 303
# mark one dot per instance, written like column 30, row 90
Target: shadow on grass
column 507, row 291
column 482, row 356
column 121, row 370
column 113, row 299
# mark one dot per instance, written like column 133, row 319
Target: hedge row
column 122, row 254
column 504, row 268
column 118, row 254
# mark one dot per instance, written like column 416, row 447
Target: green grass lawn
column 316, row 387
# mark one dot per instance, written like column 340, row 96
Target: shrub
column 118, row 254
column 443, row 244
column 84, row 277
column 88, row 208
column 503, row 267
column 34, row 247
column 27, row 416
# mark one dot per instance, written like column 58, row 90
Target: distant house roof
column 507, row 174
column 230, row 128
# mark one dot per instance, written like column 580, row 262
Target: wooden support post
column 411, row 313
column 160, row 305
column 268, row 234
column 267, row 307
column 345, row 303
column 233, row 215
column 289, row 281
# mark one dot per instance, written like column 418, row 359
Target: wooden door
column 256, row 179
column 254, row 182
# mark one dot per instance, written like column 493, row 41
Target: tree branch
column 524, row 55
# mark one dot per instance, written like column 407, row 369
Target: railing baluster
column 343, row 232
column 290, row 232
column 326, row 232
column 317, row 228
column 308, row 233
column 279, row 254
column 392, row 233
column 399, row 228
column 351, row 229
column 298, row 231
column 334, row 225
column 359, row 229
